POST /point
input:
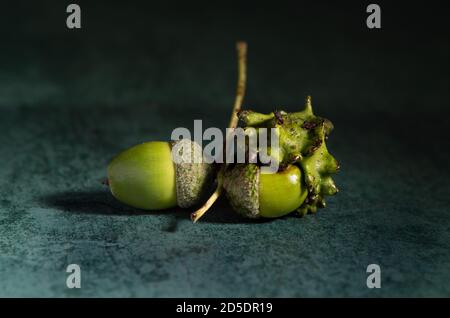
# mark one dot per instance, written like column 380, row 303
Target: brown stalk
column 240, row 92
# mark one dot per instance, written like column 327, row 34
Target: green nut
column 302, row 137
column 254, row 194
column 146, row 176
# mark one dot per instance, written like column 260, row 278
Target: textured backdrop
column 71, row 99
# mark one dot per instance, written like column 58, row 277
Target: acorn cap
column 194, row 177
column 241, row 184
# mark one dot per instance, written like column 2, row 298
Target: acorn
column 302, row 143
column 254, row 194
column 148, row 177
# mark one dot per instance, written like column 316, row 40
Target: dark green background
column 71, row 99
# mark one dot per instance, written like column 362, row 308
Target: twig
column 240, row 92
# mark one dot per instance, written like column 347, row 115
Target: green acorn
column 146, row 176
column 302, row 147
column 255, row 194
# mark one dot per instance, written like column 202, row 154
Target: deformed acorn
column 146, row 176
column 304, row 177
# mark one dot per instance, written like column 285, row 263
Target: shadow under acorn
column 101, row 202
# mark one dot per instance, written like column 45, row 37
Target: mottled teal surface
column 70, row 100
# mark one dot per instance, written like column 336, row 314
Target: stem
column 242, row 78
column 195, row 216
column 240, row 92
